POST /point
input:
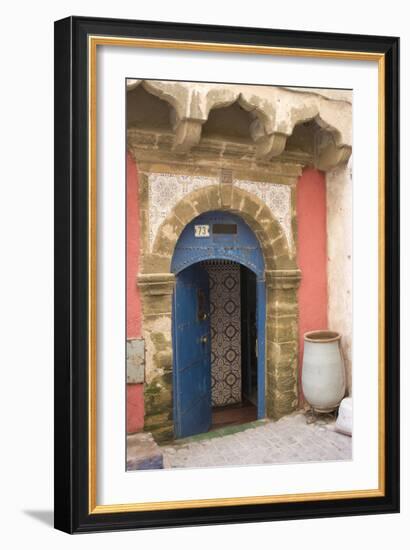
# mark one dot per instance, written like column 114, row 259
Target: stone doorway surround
column 238, row 175
column 281, row 277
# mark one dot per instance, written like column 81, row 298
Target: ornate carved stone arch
column 282, row 278
column 238, row 201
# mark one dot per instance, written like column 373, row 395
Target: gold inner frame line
column 93, row 42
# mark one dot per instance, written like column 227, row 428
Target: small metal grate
column 206, row 263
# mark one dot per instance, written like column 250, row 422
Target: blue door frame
column 222, row 236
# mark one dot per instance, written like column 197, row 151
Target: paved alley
column 290, row 439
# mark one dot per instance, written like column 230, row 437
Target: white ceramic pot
column 323, row 373
column 344, row 422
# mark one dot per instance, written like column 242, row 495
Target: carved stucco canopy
column 274, row 113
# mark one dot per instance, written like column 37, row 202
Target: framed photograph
column 226, row 274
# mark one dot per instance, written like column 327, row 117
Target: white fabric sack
column 344, row 422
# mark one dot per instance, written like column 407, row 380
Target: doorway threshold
column 219, row 432
column 236, row 414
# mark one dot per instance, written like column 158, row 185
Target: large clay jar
column 323, row 373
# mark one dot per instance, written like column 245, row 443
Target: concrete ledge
column 143, row 453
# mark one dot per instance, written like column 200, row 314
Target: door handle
column 204, row 339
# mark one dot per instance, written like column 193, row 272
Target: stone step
column 143, row 453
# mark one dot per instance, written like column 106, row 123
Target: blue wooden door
column 192, row 361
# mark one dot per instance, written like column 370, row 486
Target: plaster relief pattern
column 278, row 198
column 166, row 190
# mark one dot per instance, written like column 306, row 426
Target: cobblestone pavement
column 290, row 439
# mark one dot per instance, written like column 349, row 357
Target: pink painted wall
column 312, row 253
column 133, row 251
column 135, row 392
column 135, row 408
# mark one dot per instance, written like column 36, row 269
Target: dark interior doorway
column 249, row 337
column 233, row 333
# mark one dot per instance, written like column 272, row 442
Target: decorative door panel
column 192, row 391
column 225, row 306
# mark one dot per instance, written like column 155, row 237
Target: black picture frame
column 71, row 491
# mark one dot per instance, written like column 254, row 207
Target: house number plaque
column 201, row 230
